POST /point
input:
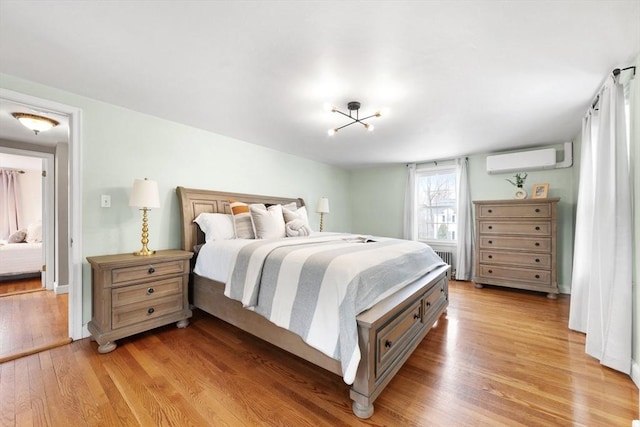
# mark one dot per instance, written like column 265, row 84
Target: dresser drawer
column 537, row 228
column 529, row 210
column 542, row 277
column 542, row 244
column 393, row 336
column 146, row 271
column 132, row 314
column 516, row 258
column 146, row 292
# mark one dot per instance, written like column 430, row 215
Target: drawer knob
column 150, row 311
column 537, row 276
column 151, row 270
column 537, row 259
column 416, row 316
column 490, row 271
column 388, row 344
column 490, row 241
column 537, row 228
column 490, row 257
column 537, row 244
column 490, row 211
column 428, row 304
column 490, row 227
column 150, row 291
column 537, row 210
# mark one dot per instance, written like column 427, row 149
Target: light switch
column 105, row 201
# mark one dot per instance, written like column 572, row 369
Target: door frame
column 76, row 329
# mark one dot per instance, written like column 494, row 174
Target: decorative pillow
column 269, row 222
column 17, row 237
column 216, row 226
column 297, row 228
column 300, row 213
column 34, row 232
column 242, row 221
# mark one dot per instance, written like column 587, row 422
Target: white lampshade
column 144, row 194
column 323, row 205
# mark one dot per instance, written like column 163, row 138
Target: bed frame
column 388, row 332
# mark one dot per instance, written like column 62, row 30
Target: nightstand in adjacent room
column 132, row 294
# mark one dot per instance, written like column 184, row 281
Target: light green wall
column 378, row 201
column 119, row 145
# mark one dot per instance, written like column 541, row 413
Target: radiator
column 448, row 258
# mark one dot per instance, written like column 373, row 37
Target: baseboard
column 635, row 372
column 564, row 289
column 62, row 289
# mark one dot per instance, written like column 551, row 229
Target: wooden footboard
column 388, row 332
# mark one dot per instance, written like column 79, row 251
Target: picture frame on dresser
column 540, row 191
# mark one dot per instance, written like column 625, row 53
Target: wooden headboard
column 193, row 202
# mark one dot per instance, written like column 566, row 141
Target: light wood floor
column 30, row 317
column 498, row 358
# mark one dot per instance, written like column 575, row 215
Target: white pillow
column 300, row 213
column 216, row 226
column 34, row 233
column 269, row 222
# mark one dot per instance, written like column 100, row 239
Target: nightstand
column 132, row 294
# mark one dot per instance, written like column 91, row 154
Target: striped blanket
column 316, row 286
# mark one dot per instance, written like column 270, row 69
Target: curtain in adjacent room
column 464, row 247
column 8, row 202
column 409, row 225
column 601, row 290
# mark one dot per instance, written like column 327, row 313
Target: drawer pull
column 537, row 244
column 150, row 311
column 537, row 259
column 490, row 271
column 490, row 211
column 428, row 304
column 490, row 227
column 490, row 242
column 490, row 257
column 537, row 228
column 388, row 344
column 537, row 276
column 150, row 291
column 151, row 270
column 416, row 316
column 537, row 210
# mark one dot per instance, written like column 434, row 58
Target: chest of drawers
column 516, row 244
column 132, row 294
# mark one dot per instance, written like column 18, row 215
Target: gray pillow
column 17, row 237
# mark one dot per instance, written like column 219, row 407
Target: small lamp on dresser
column 322, row 208
column 144, row 195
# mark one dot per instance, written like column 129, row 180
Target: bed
column 20, row 260
column 387, row 332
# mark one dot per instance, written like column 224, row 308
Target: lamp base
column 144, row 252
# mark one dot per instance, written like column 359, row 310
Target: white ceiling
column 459, row 77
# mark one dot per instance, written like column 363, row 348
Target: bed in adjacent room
column 355, row 305
column 20, row 260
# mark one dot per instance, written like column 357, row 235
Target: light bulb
column 332, row 132
column 369, row 127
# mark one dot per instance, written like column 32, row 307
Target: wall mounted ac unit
column 522, row 161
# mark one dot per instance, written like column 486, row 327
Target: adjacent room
column 320, row 213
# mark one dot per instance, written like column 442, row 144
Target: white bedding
column 20, row 258
column 316, row 286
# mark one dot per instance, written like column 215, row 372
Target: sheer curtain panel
column 409, row 204
column 601, row 291
column 8, row 202
column 464, row 247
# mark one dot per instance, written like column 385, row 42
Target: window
column 436, row 204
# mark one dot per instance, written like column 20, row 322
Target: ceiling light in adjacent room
column 352, row 106
column 34, row 122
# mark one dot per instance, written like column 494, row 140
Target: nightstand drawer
column 516, row 258
column 132, row 314
column 516, row 274
column 539, row 228
column 146, row 292
column 146, row 271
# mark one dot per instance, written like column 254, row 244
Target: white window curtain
column 464, row 247
column 601, row 290
column 8, row 202
column 409, row 225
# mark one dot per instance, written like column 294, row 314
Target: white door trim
column 76, row 330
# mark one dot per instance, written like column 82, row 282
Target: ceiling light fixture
column 34, row 122
column 353, row 106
